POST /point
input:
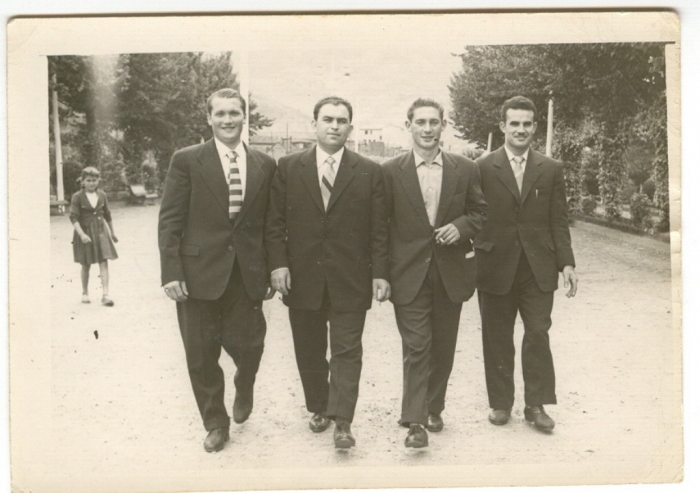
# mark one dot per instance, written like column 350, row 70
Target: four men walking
column 331, row 230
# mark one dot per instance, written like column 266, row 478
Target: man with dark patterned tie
column 210, row 234
column 326, row 241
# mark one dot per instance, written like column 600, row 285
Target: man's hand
column 176, row 290
column 270, row 293
column 447, row 235
column 381, row 290
column 570, row 279
column 115, row 239
column 281, row 280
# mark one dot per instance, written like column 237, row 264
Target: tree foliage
column 606, row 96
column 119, row 112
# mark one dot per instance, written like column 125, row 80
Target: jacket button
column 517, row 243
column 427, row 260
column 230, row 248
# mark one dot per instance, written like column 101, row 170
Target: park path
column 123, row 411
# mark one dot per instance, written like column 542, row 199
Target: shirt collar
column 223, row 149
column 511, row 155
column 419, row 160
column 322, row 155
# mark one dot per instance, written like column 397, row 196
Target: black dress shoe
column 537, row 416
column 342, row 436
column 242, row 405
column 499, row 417
column 319, row 422
column 417, row 436
column 216, row 439
column 435, row 423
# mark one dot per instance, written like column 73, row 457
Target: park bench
column 139, row 195
column 57, row 207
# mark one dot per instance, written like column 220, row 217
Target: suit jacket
column 198, row 242
column 411, row 237
column 342, row 249
column 535, row 221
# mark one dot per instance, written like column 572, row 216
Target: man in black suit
column 519, row 253
column 326, row 240
column 210, row 234
column 435, row 208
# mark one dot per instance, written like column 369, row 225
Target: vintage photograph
column 270, row 261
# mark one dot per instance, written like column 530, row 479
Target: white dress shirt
column 321, row 165
column 241, row 161
column 430, row 180
column 511, row 156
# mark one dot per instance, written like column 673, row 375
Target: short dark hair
column 423, row 102
column 518, row 103
column 335, row 101
column 226, row 93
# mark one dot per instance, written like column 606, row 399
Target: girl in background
column 93, row 239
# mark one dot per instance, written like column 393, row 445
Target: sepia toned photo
column 269, row 261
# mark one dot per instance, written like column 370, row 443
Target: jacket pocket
column 189, row 250
column 486, row 246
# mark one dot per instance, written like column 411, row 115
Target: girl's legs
column 84, row 278
column 104, row 276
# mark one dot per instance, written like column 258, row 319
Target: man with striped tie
column 210, row 234
column 326, row 241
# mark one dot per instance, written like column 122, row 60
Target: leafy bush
column 640, row 209
column 588, row 205
column 649, row 188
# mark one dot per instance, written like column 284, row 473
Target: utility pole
column 60, row 194
column 488, row 146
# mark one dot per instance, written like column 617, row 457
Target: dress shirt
column 321, row 165
column 430, row 180
column 92, row 198
column 511, row 156
column 241, row 161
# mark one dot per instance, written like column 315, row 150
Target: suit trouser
column 235, row 322
column 428, row 326
column 310, row 331
column 498, row 314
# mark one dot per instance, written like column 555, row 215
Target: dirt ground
column 123, row 410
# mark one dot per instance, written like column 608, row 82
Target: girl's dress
column 93, row 220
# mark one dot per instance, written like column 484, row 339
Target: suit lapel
column 409, row 181
column 255, row 177
column 309, row 176
column 344, row 176
column 213, row 174
column 450, row 177
column 505, row 172
column 532, row 173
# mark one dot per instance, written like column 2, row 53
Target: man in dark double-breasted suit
column 210, row 234
column 523, row 246
column 326, row 238
column 435, row 209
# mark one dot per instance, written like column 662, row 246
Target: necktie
column 327, row 181
column 518, row 170
column 235, row 189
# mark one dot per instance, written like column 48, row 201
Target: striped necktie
column 235, row 189
column 327, row 181
column 518, row 170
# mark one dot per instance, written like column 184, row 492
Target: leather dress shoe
column 216, row 439
column 319, row 422
column 537, row 416
column 435, row 423
column 342, row 436
column 417, row 436
column 242, row 405
column 499, row 417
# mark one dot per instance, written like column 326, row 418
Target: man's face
column 519, row 128
column 227, row 119
column 332, row 127
column 426, row 128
